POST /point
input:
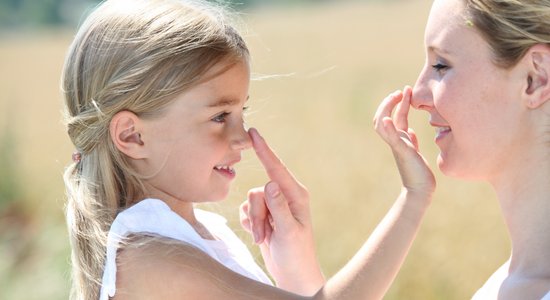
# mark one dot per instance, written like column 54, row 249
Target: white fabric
column 155, row 217
column 491, row 288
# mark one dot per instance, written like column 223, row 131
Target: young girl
column 154, row 94
column 486, row 86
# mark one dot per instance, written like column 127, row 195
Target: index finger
column 386, row 107
column 273, row 166
column 402, row 111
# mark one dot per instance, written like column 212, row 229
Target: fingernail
column 257, row 133
column 254, row 135
column 255, row 234
column 273, row 189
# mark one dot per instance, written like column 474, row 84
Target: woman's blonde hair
column 133, row 55
column 511, row 27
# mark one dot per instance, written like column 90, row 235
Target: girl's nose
column 241, row 140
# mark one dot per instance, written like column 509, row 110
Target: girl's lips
column 226, row 171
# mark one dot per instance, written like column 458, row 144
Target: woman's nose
column 422, row 97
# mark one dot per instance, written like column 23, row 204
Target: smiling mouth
column 441, row 132
column 226, row 169
column 442, row 129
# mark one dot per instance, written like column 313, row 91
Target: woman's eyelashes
column 440, row 67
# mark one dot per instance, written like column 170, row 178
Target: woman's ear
column 538, row 77
column 126, row 136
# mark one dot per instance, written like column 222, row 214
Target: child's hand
column 278, row 217
column 415, row 173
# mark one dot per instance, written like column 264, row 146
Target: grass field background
column 325, row 68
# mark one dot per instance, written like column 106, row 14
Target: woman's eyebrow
column 439, row 50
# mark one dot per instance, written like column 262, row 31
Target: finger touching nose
column 273, row 165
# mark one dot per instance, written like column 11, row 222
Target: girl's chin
column 220, row 196
column 214, row 199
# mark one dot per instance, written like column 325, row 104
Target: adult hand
column 416, row 175
column 279, row 219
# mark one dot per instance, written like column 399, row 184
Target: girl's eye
column 220, row 118
column 439, row 67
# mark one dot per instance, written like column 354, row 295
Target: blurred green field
column 332, row 64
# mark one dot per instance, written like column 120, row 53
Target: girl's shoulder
column 161, row 268
column 153, row 217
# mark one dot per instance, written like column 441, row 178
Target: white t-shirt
column 155, row 217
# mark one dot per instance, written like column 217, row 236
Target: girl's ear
column 538, row 80
column 126, row 136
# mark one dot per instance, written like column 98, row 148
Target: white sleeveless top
column 490, row 289
column 155, row 217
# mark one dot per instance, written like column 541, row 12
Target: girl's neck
column 524, row 196
column 185, row 210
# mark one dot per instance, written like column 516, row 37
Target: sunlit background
column 325, row 67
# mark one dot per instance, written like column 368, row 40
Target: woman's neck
column 524, row 196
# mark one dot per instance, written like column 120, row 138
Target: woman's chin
column 446, row 167
column 458, row 170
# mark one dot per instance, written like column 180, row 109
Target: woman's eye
column 220, row 118
column 439, row 67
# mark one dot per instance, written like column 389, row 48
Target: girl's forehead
column 227, row 86
column 220, row 68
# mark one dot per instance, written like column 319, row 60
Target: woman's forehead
column 447, row 28
column 444, row 15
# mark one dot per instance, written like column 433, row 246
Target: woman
column 486, row 86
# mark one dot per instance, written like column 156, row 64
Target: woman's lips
column 441, row 132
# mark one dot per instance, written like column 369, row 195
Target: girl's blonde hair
column 133, row 55
column 510, row 27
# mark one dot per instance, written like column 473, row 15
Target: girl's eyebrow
column 226, row 102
